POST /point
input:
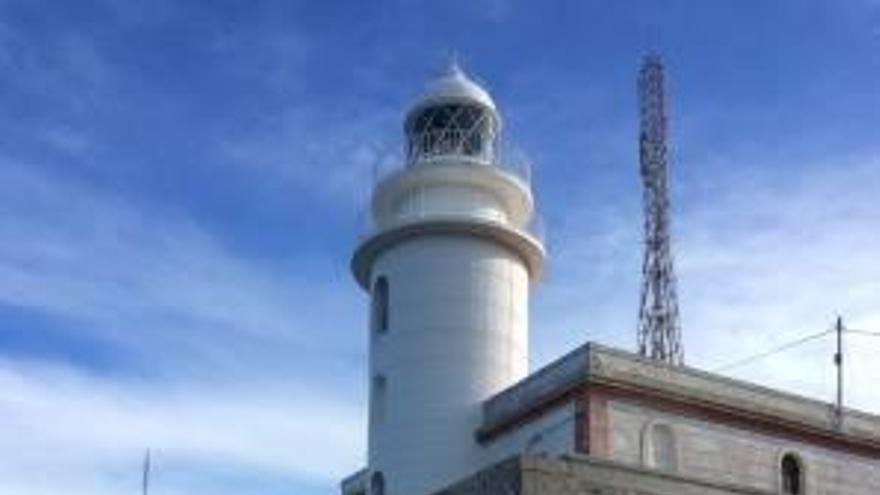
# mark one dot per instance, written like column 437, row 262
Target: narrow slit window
column 380, row 305
column 379, row 399
column 377, row 483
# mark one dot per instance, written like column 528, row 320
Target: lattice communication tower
column 659, row 331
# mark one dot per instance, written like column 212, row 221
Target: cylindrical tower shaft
column 457, row 335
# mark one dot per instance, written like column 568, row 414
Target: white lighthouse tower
column 448, row 264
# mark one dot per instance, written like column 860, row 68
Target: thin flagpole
column 838, row 361
column 146, row 480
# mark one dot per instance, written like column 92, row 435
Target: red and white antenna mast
column 659, row 331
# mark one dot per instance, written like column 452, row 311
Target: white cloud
column 223, row 348
column 82, row 254
column 766, row 252
column 318, row 151
column 764, row 264
column 67, row 432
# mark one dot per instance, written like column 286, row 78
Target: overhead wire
column 868, row 333
column 775, row 350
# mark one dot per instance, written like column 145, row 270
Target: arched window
column 377, row 483
column 379, row 309
column 660, row 449
column 792, row 473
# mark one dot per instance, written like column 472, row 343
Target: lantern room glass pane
column 451, row 129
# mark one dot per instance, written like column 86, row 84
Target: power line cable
column 775, row 350
column 862, row 332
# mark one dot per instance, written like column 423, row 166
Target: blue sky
column 182, row 183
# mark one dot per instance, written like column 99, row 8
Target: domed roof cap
column 455, row 85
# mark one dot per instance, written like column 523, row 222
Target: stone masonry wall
column 504, row 478
column 583, row 476
column 725, row 454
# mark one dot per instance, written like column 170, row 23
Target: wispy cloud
column 132, row 131
column 220, row 342
column 763, row 258
column 328, row 157
column 64, row 66
column 65, row 431
column 779, row 259
column 278, row 59
column 214, row 355
column 82, row 253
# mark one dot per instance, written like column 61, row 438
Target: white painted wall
column 722, row 453
column 457, row 335
column 449, row 200
column 451, row 188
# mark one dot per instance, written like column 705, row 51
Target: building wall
column 582, row 476
column 457, row 335
column 721, row 453
column 553, row 433
column 613, row 365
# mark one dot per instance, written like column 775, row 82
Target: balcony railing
column 535, row 228
column 506, row 158
column 450, row 142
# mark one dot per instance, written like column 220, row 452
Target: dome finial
column 453, row 83
column 452, row 67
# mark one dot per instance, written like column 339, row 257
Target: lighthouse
column 447, row 263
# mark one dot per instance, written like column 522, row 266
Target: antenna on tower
column 659, row 332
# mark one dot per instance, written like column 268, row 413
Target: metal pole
column 838, row 361
column 146, row 479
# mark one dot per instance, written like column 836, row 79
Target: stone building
column 449, row 263
column 604, row 421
